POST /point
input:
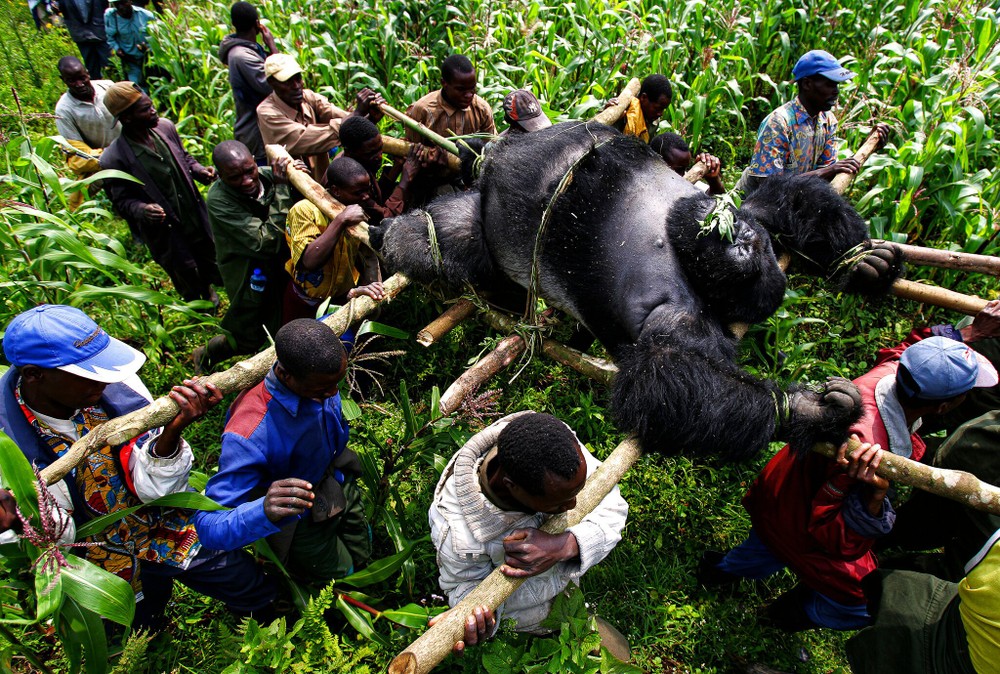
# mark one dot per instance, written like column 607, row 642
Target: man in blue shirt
column 285, row 469
column 125, row 26
column 800, row 136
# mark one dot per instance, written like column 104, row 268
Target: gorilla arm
column 682, row 395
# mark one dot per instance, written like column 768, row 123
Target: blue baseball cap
column 819, row 62
column 939, row 368
column 65, row 338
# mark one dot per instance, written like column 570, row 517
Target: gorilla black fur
column 625, row 252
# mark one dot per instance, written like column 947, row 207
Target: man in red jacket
column 820, row 517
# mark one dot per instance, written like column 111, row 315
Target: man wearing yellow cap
column 165, row 211
column 305, row 122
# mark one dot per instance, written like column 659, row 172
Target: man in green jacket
column 247, row 208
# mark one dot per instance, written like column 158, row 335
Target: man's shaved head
column 229, row 153
column 68, row 64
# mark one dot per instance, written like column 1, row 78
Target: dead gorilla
column 623, row 252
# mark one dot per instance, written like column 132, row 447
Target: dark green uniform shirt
column 250, row 234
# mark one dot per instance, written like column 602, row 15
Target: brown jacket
column 439, row 116
column 308, row 134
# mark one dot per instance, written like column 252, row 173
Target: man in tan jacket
column 305, row 122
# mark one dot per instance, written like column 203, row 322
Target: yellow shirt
column 304, row 224
column 979, row 594
column 635, row 123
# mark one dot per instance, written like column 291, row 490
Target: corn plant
column 49, row 254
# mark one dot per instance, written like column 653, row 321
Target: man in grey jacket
column 244, row 57
column 493, row 496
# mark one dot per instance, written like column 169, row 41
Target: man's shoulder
column 313, row 98
column 248, row 412
column 429, row 101
column 305, row 210
column 482, row 104
column 64, row 106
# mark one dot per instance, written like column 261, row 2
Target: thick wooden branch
column 417, row 127
column 842, row 181
column 597, row 369
column 956, row 485
column 397, row 147
column 939, row 297
column 610, row 116
column 446, row 322
column 434, row 645
column 243, row 375
column 948, row 259
column 314, row 192
column 469, row 382
column 696, row 172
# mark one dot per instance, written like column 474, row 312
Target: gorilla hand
column 875, row 273
column 820, row 416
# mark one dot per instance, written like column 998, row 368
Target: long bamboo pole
column 397, row 147
column 949, row 259
column 244, row 374
column 314, row 192
column 417, row 127
column 611, row 115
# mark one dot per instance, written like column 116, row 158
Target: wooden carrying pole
column 696, row 172
column 949, row 259
column 446, row 322
column 430, row 648
column 314, row 192
column 417, row 127
column 842, row 181
column 243, row 375
column 611, row 115
column 397, row 147
column 469, row 382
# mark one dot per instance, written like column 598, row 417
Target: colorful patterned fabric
column 790, row 141
column 160, row 535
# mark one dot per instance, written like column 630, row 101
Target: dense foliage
column 929, row 68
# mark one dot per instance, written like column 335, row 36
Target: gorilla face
column 737, row 275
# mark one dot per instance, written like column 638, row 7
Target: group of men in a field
column 285, row 470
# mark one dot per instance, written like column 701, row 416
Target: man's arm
column 111, row 30
column 243, row 470
column 250, row 66
column 317, row 252
column 203, row 174
column 850, row 510
column 161, row 463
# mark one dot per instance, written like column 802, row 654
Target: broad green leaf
column 350, row 409
column 82, row 634
column 413, row 616
column 371, row 327
column 103, row 592
column 361, row 621
column 381, row 570
column 185, row 499
column 408, row 417
column 47, row 599
column 17, row 476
